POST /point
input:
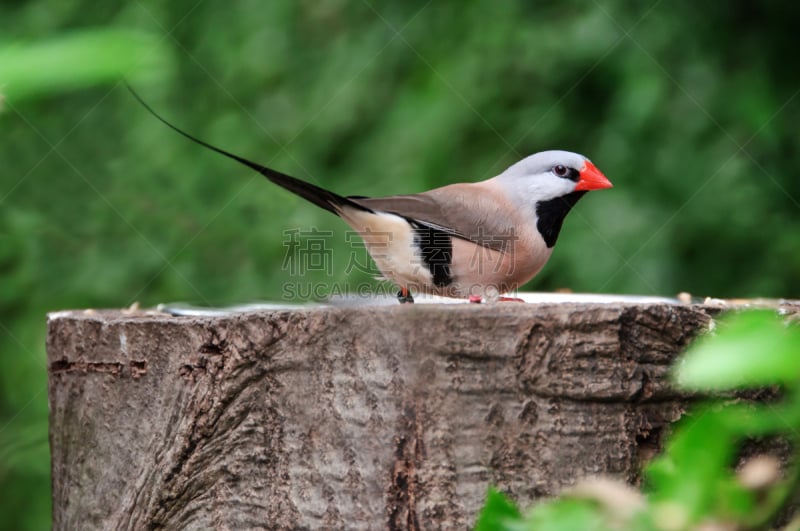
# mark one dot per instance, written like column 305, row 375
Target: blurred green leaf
column 566, row 514
column 563, row 514
column 498, row 513
column 750, row 349
column 693, row 471
column 79, row 59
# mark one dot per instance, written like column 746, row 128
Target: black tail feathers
column 314, row 194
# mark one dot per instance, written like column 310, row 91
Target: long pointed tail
column 319, row 196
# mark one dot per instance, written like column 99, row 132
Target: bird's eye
column 560, row 170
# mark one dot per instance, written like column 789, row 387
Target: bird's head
column 549, row 184
column 552, row 174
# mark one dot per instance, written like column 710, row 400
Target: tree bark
column 393, row 417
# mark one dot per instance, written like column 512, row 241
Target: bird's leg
column 404, row 296
column 475, row 299
column 510, row 299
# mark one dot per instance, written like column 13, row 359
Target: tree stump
column 395, row 417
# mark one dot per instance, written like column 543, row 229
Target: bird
column 476, row 241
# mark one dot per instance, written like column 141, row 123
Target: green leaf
column 693, row 462
column 751, row 349
column 566, row 514
column 498, row 513
column 734, row 502
column 78, row 60
column 751, row 420
column 694, row 473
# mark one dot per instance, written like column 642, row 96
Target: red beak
column 592, row 179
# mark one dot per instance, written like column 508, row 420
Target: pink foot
column 475, row 299
column 510, row 299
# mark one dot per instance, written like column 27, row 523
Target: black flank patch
column 437, row 252
column 551, row 215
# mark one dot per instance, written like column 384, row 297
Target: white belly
column 390, row 242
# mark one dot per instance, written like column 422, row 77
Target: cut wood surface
column 391, row 417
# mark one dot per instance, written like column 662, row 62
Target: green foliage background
column 691, row 109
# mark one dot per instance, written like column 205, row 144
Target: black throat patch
column 436, row 248
column 551, row 214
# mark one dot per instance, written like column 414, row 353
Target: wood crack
column 133, row 368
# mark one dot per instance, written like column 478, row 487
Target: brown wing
column 466, row 211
